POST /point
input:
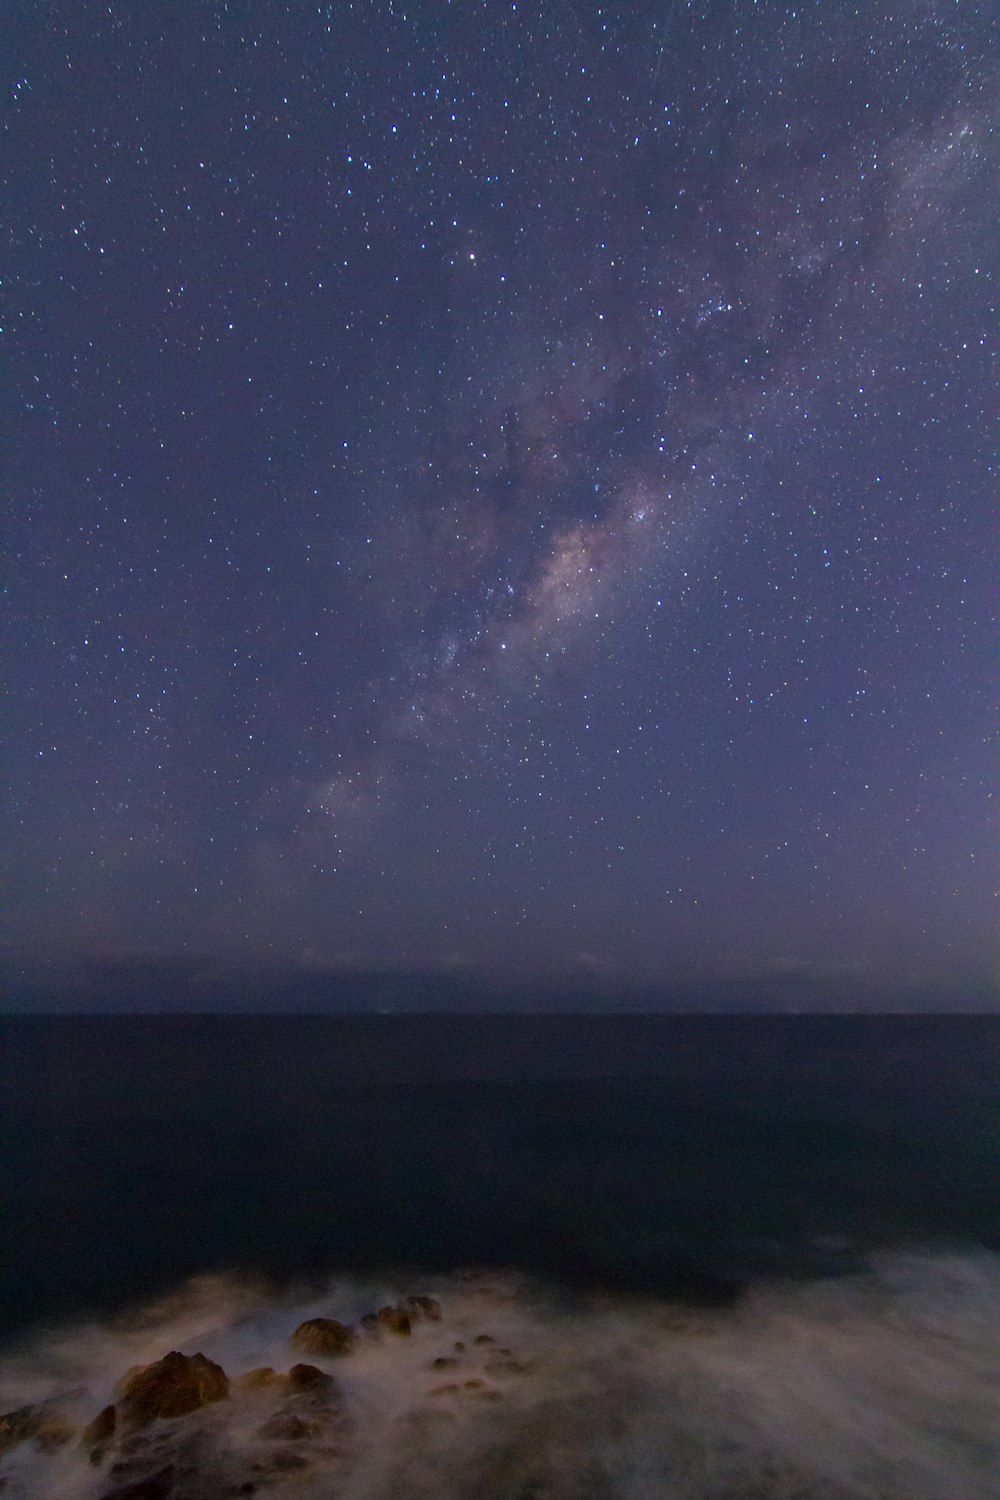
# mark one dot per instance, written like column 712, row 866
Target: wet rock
column 41, row 1424
column 323, row 1336
column 395, row 1319
column 306, row 1379
column 423, row 1307
column 260, row 1378
column 288, row 1428
column 97, row 1434
column 172, row 1387
column 155, row 1487
column 282, row 1461
column 507, row 1366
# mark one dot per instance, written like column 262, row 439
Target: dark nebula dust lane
column 502, row 489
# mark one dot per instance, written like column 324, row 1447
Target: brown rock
column 396, row 1319
column 45, row 1427
column 260, row 1378
column 323, row 1336
column 483, row 1338
column 175, row 1385
column 156, row 1487
column 423, row 1307
column 288, row 1428
column 307, row 1378
column 443, row 1362
column 98, row 1433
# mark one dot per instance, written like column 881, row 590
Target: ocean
column 719, row 1256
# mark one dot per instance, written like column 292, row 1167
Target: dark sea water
column 734, row 1256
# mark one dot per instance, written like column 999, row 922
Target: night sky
column 504, row 489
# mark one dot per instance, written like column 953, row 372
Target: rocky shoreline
column 158, row 1441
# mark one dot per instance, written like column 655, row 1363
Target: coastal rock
column 41, row 1424
column 308, row 1380
column 323, row 1336
column 155, row 1487
column 172, row 1387
column 98, row 1433
column 260, row 1378
column 423, row 1307
column 288, row 1427
column 395, row 1319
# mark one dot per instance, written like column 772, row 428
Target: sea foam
column 878, row 1386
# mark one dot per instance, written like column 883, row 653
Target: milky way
column 504, row 487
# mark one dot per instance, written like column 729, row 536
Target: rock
column 288, row 1428
column 176, row 1385
column 302, row 1378
column 423, row 1307
column 155, row 1487
column 281, row 1461
column 396, row 1319
column 40, row 1424
column 98, row 1433
column 323, row 1336
column 483, row 1338
column 260, row 1378
column 507, row 1365
column 443, row 1362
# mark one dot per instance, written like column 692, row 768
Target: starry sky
column 503, row 489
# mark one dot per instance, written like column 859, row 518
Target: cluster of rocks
column 147, row 1461
column 325, row 1336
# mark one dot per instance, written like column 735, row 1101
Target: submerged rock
column 172, row 1387
column 288, row 1427
column 155, row 1487
column 323, row 1336
column 41, row 1424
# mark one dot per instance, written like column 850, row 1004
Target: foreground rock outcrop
column 166, row 1437
column 44, row 1425
column 323, row 1336
column 172, row 1387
